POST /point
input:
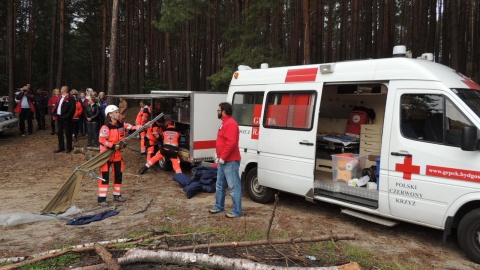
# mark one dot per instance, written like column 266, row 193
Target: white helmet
column 110, row 108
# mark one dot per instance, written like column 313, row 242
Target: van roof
column 397, row 68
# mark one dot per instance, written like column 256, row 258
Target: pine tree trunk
column 10, row 35
column 113, row 50
column 188, row 64
column 61, row 44
column 104, row 46
column 454, row 35
column 306, row 32
column 31, row 40
column 53, row 34
column 445, row 33
column 168, row 64
column 141, row 49
column 330, row 26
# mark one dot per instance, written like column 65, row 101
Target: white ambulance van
column 422, row 140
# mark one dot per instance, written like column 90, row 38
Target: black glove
column 122, row 145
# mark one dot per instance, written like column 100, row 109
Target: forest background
column 134, row 46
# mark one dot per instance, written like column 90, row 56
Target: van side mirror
column 469, row 138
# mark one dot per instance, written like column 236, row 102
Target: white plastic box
column 347, row 166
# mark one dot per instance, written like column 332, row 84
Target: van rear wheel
column 257, row 192
column 469, row 235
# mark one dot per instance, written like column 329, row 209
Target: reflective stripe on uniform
column 102, row 189
column 116, row 189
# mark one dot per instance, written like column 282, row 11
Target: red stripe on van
column 199, row 145
column 471, row 84
column 453, row 173
column 302, row 75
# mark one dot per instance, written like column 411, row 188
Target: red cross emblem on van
column 407, row 168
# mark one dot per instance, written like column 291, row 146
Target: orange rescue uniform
column 111, row 134
column 153, row 134
column 143, row 117
column 169, row 149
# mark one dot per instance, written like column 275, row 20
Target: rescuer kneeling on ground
column 169, row 149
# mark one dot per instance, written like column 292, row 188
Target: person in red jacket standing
column 77, row 114
column 52, row 103
column 228, row 160
column 169, row 149
column 110, row 135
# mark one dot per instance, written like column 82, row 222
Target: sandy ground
column 31, row 174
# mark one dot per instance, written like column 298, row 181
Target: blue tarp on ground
column 91, row 218
column 203, row 180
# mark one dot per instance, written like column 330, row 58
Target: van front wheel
column 257, row 192
column 469, row 235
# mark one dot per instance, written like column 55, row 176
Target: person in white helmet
column 111, row 133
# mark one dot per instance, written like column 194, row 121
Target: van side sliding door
column 288, row 138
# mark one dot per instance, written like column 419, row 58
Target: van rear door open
column 286, row 158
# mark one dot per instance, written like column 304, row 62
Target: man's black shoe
column 68, row 151
column 53, row 133
column 58, row 150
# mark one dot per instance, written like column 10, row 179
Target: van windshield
column 471, row 98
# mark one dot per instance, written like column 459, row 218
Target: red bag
column 355, row 120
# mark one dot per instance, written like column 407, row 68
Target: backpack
column 358, row 116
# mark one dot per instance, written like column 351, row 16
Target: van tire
column 165, row 165
column 468, row 235
column 256, row 192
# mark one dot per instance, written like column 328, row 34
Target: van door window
column 455, row 122
column 291, row 110
column 431, row 118
column 247, row 107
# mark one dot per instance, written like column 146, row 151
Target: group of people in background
column 88, row 111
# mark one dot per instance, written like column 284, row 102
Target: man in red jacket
column 228, row 159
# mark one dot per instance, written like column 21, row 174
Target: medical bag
column 359, row 116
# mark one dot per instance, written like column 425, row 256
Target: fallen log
column 218, row 262
column 268, row 242
column 214, row 261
